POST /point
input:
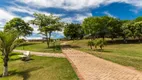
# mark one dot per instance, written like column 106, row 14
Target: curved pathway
column 60, row 55
column 89, row 67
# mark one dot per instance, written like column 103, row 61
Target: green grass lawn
column 41, row 47
column 125, row 54
column 39, row 68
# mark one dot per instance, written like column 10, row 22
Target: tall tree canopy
column 47, row 24
column 91, row 25
column 102, row 26
column 138, row 29
column 73, row 31
column 138, row 19
column 114, row 27
column 20, row 25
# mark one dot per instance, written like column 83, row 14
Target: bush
column 100, row 43
column 91, row 44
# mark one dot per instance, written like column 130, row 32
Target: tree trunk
column 49, row 39
column 124, row 38
column 5, row 70
column 103, row 38
column 112, row 38
column 47, row 42
column 101, row 47
column 139, row 39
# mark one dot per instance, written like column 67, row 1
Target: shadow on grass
column 69, row 46
column 102, row 50
column 15, row 59
column 14, row 54
column 25, row 74
column 57, row 47
column 27, row 44
column 131, row 41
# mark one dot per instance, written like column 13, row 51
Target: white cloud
column 27, row 18
column 134, row 10
column 5, row 16
column 76, row 18
column 108, row 14
column 137, row 3
column 26, row 9
column 67, row 20
column 80, row 17
column 66, row 4
column 21, row 9
column 75, row 4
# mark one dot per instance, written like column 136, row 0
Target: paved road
column 60, row 55
column 89, row 67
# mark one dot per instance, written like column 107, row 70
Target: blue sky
column 69, row 10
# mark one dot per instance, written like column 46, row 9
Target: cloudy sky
column 69, row 10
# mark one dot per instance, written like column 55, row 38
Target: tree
column 100, row 26
column 138, row 30
column 73, row 31
column 20, row 25
column 129, row 29
column 47, row 24
column 138, row 19
column 91, row 25
column 114, row 28
column 109, row 26
column 8, row 42
column 125, row 32
column 104, row 22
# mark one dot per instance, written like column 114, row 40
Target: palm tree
column 8, row 42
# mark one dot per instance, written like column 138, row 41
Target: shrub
column 100, row 43
column 91, row 44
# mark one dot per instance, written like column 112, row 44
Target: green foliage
column 47, row 24
column 114, row 27
column 91, row 44
column 8, row 42
column 102, row 26
column 132, row 29
column 20, row 25
column 128, row 29
column 138, row 19
column 110, row 27
column 138, row 29
column 104, row 22
column 99, row 42
column 73, row 31
column 91, row 25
